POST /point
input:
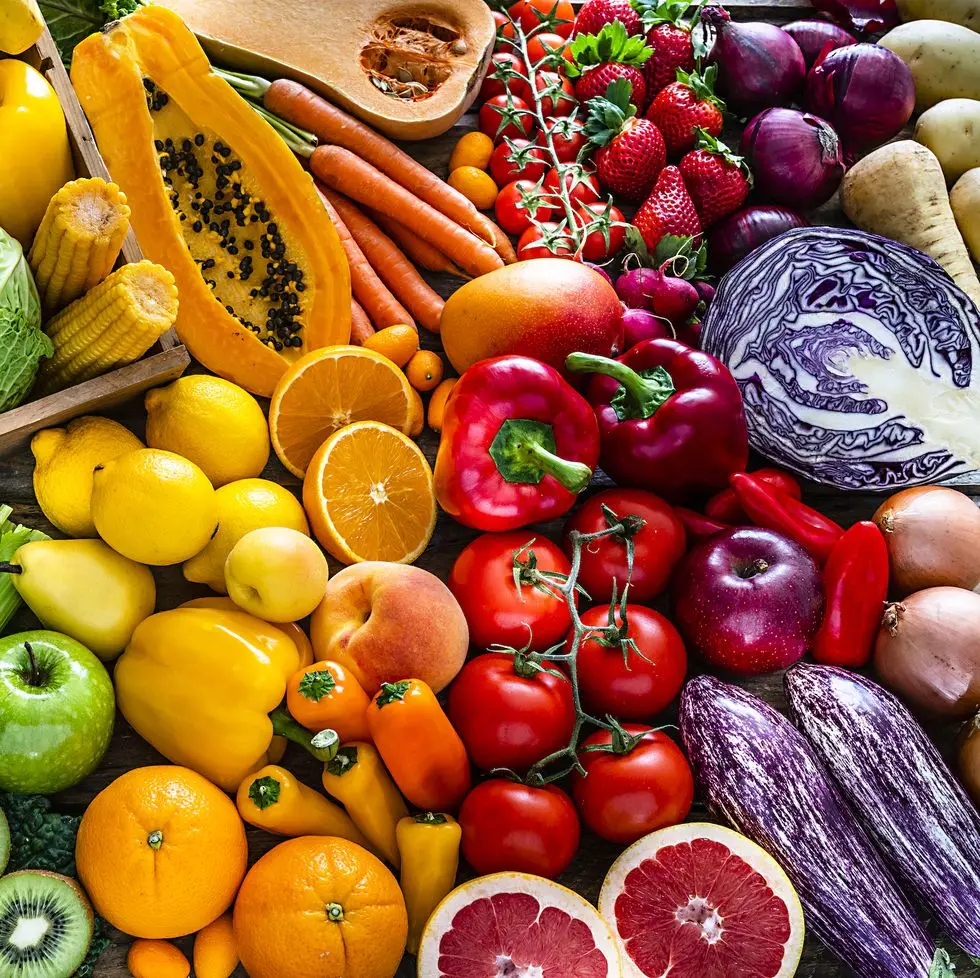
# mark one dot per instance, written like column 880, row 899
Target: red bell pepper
column 724, row 506
column 698, row 527
column 670, row 418
column 518, row 445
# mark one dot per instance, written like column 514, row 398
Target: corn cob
column 112, row 325
column 78, row 241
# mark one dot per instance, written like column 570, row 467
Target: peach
column 386, row 622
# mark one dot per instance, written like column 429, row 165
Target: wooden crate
column 166, row 360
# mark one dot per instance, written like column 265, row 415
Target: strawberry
column 685, row 105
column 671, row 40
column 599, row 59
column 595, row 14
column 716, row 178
column 631, row 151
column 668, row 210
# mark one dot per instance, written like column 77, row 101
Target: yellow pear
column 84, row 589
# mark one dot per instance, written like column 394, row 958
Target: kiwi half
column 46, row 925
column 4, row 842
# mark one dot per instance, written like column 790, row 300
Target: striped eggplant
column 760, row 773
column 914, row 810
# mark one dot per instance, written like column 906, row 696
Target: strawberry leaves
column 611, row 45
column 607, row 114
column 702, row 85
column 712, row 144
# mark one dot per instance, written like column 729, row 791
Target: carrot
column 375, row 299
column 503, row 247
column 298, row 105
column 342, row 170
column 360, row 324
column 421, row 252
column 394, row 269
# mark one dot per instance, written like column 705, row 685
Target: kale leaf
column 71, row 21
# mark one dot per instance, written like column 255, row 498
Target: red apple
column 749, row 600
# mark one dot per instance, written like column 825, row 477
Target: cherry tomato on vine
column 492, row 87
column 511, row 827
column 545, row 240
column 568, row 137
column 482, row 580
column 492, row 115
column 511, row 712
column 582, row 186
column 541, row 45
column 561, row 11
column 657, row 545
column 511, row 215
column 630, row 683
column 529, row 163
column 601, row 245
column 555, row 93
column 626, row 795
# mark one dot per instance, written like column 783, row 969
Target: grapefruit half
column 513, row 925
column 701, row 901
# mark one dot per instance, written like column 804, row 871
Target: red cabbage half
column 855, row 356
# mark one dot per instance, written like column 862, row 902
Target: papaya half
column 217, row 198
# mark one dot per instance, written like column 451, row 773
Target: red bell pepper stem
column 855, row 583
column 522, row 453
column 776, row 511
column 698, row 527
column 724, row 505
column 640, row 394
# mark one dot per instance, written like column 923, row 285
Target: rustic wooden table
column 586, row 874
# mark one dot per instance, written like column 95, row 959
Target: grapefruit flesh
column 511, row 925
column 701, row 901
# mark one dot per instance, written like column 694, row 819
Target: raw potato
column 964, row 12
column 951, row 129
column 965, row 200
column 899, row 192
column 944, row 59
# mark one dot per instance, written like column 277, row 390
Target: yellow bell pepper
column 36, row 161
column 357, row 778
column 203, row 686
column 429, row 847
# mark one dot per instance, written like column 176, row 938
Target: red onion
column 635, row 287
column 759, row 65
column 861, row 15
column 641, row 324
column 744, row 231
column 814, row 36
column 795, row 157
column 864, row 91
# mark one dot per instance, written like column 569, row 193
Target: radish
column 674, row 299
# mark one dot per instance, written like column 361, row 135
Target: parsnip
column 965, row 201
column 951, row 129
column 963, row 12
column 899, row 192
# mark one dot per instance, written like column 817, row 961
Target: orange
column 161, row 852
column 473, row 149
column 418, row 415
column 157, row 959
column 317, row 906
column 397, row 343
column 475, row 185
column 368, row 495
column 329, row 388
column 424, row 370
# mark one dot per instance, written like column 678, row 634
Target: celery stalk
column 12, row 537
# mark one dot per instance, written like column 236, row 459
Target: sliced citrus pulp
column 701, row 901
column 368, row 495
column 332, row 387
column 516, row 924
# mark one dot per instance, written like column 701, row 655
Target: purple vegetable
column 634, row 287
column 706, row 292
column 759, row 64
column 745, row 230
column 641, row 324
column 814, row 37
column 759, row 772
column 864, row 91
column 861, row 15
column 917, row 814
column 794, row 156
column 674, row 299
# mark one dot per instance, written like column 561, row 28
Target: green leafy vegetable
column 12, row 537
column 71, row 21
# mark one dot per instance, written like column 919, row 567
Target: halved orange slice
column 332, row 387
column 368, row 494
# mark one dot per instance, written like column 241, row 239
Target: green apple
column 57, row 708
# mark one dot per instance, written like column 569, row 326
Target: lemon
column 153, row 507
column 243, row 506
column 216, row 424
column 65, row 459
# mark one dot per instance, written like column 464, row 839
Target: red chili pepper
column 698, row 527
column 855, row 583
column 776, row 511
column 724, row 506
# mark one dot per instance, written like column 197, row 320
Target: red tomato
column 505, row 28
column 541, row 45
column 568, row 137
column 528, row 162
column 581, row 187
column 511, row 215
column 544, row 83
column 510, row 827
column 625, row 796
column 599, row 244
column 533, row 243
column 657, row 545
column 491, row 117
column 482, row 579
column 500, row 18
column 492, row 87
column 561, row 12
column 636, row 685
column 510, row 713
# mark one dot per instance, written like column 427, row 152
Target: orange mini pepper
column 325, row 695
column 419, row 746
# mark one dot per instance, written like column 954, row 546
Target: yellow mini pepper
column 203, row 686
column 357, row 778
column 429, row 847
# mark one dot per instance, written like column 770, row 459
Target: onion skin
column 740, row 233
column 933, row 538
column 968, row 757
column 813, row 36
column 928, row 651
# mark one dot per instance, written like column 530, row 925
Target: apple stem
column 6, row 568
column 35, row 677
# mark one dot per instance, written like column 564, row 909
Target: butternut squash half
column 217, row 198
